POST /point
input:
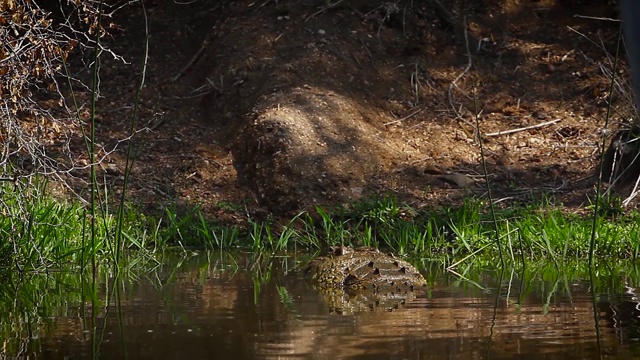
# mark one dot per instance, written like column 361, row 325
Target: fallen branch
column 454, row 83
column 373, row 64
column 404, row 118
column 523, row 128
column 329, row 6
column 195, row 57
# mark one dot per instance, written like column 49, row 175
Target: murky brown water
column 216, row 311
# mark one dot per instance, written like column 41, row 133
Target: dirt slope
column 275, row 106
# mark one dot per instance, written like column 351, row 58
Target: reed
column 594, row 227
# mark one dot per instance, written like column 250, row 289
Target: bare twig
column 415, row 84
column 323, row 10
column 633, row 194
column 373, row 64
column 445, row 13
column 357, row 61
column 404, row 118
column 597, row 18
column 454, row 83
column 523, row 128
column 36, row 50
column 195, row 57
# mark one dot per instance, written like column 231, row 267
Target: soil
column 275, row 106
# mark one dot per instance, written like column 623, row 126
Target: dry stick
column 596, row 213
column 404, row 118
column 609, row 57
column 486, row 177
column 620, row 88
column 446, row 14
column 463, row 73
column 357, row 61
column 404, row 16
column 523, row 128
column 323, row 10
column 415, row 80
column 373, row 63
column 635, row 191
column 468, row 280
column 265, row 3
column 614, row 171
column 450, row 267
column 596, row 18
column 195, row 57
column 600, row 46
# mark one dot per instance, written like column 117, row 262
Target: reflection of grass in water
column 32, row 304
column 286, row 300
column 542, row 280
column 264, row 267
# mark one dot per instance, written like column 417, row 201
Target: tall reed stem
column 486, row 179
column 596, row 208
column 94, row 187
column 129, row 162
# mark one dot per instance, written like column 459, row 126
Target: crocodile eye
column 350, row 280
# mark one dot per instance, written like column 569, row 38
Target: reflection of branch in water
column 467, row 279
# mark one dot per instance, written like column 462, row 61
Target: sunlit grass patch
column 55, row 232
column 529, row 231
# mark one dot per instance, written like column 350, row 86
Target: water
column 244, row 307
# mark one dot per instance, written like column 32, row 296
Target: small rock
column 460, row 180
column 540, row 115
column 112, row 169
column 433, row 170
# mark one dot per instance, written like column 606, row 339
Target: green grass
column 531, row 232
column 54, row 233
column 40, row 233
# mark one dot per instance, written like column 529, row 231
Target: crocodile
column 348, row 277
column 363, row 268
